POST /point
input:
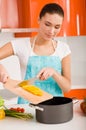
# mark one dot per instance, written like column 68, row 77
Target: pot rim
column 67, row 101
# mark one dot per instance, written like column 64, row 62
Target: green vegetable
column 19, row 115
column 1, row 102
column 13, row 113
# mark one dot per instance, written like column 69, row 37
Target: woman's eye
column 57, row 27
column 47, row 24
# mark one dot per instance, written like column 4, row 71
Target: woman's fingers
column 40, row 74
column 4, row 77
column 45, row 73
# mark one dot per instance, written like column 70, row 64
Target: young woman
column 42, row 56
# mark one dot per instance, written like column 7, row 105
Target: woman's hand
column 3, row 74
column 3, row 77
column 45, row 73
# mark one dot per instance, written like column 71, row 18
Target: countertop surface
column 78, row 121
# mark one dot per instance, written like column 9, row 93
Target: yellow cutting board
column 12, row 85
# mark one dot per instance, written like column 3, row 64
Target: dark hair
column 51, row 8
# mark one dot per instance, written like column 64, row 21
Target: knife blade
column 29, row 81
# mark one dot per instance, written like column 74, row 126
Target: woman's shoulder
column 61, row 45
column 62, row 49
column 20, row 40
column 21, row 45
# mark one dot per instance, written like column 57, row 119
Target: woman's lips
column 49, row 36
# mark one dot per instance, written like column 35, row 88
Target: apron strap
column 53, row 44
column 34, row 43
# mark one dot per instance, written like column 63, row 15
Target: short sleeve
column 63, row 49
column 22, row 49
column 19, row 45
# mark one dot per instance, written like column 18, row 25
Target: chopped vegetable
column 33, row 89
column 18, row 109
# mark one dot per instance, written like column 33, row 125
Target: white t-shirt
column 22, row 48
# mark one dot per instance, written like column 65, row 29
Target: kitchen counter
column 78, row 121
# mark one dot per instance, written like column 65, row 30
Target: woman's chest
column 44, row 51
column 39, row 62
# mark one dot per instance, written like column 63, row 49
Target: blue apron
column 35, row 64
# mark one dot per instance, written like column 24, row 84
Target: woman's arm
column 64, row 80
column 6, row 51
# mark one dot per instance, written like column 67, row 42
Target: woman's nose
column 52, row 30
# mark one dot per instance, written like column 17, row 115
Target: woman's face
column 50, row 25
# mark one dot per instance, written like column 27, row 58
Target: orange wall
column 74, row 14
column 8, row 14
column 24, row 14
column 37, row 4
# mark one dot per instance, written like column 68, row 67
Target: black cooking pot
column 54, row 111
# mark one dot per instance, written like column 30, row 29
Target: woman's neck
column 42, row 47
column 42, row 42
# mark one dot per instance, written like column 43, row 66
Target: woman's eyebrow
column 48, row 22
column 51, row 23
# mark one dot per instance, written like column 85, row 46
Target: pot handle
column 36, row 107
column 75, row 100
